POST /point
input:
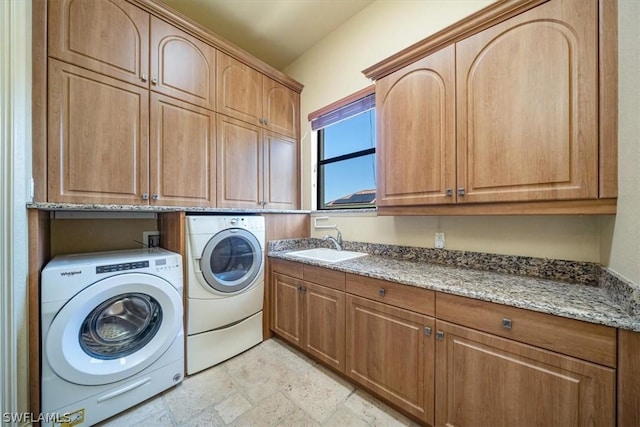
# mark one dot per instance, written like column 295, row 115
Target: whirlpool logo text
column 70, row 273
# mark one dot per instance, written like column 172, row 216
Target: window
column 346, row 172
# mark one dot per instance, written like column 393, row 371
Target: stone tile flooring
column 268, row 385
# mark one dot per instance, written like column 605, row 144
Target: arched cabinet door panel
column 182, row 66
column 416, row 133
column 239, row 90
column 280, row 108
column 110, row 37
column 527, row 125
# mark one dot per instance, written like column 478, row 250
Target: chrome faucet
column 337, row 241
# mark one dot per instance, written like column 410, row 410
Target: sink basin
column 327, row 255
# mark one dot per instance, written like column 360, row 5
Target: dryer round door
column 231, row 260
column 113, row 329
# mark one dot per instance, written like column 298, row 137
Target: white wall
column 15, row 137
column 333, row 69
column 621, row 235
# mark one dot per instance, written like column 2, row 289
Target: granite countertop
column 46, row 206
column 590, row 303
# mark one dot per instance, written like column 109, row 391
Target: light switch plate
column 439, row 241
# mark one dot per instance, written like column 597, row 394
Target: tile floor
column 268, row 385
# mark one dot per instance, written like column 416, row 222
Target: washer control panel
column 125, row 266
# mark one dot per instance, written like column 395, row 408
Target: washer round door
column 231, row 260
column 114, row 329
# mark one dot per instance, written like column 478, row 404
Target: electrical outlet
column 439, row 241
column 151, row 239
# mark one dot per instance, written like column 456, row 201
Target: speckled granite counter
column 584, row 299
column 148, row 208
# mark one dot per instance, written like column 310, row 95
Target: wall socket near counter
column 439, row 241
column 151, row 239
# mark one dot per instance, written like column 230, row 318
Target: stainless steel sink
column 327, row 255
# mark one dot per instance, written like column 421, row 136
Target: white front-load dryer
column 111, row 332
column 225, row 287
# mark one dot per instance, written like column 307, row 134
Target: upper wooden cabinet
column 416, row 162
column 182, row 66
column 98, row 138
column 527, row 92
column 178, row 128
column 250, row 96
column 256, row 168
column 507, row 114
column 110, row 37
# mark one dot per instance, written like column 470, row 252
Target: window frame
column 333, row 113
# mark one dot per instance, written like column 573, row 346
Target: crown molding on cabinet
column 484, row 18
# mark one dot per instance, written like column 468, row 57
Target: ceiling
column 276, row 31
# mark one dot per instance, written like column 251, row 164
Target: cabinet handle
column 261, row 120
column 265, row 121
column 439, row 335
column 154, row 81
column 427, row 331
column 507, row 323
column 155, row 197
column 144, row 77
column 382, row 292
column 145, row 196
column 448, row 192
column 460, row 191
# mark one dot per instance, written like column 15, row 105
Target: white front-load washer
column 225, row 287
column 111, row 332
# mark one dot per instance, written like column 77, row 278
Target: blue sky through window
column 349, row 176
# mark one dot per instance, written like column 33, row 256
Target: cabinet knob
column 261, row 120
column 427, row 331
column 382, row 292
column 507, row 323
column 439, row 335
column 460, row 191
column 448, row 192
column 144, row 77
column 155, row 197
column 265, row 121
column 154, row 81
column 145, row 196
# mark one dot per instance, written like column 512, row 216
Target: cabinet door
column 280, row 108
column 110, row 37
column 416, row 133
column 98, row 138
column 287, row 308
column 182, row 66
column 182, row 153
column 324, row 324
column 527, row 106
column 240, row 162
column 239, row 90
column 390, row 352
column 280, row 171
column 486, row 380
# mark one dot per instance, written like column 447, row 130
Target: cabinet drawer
column 595, row 343
column 403, row 296
column 323, row 276
column 290, row 268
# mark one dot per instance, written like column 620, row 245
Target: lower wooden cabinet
column 391, row 352
column 485, row 380
column 311, row 317
column 391, row 340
